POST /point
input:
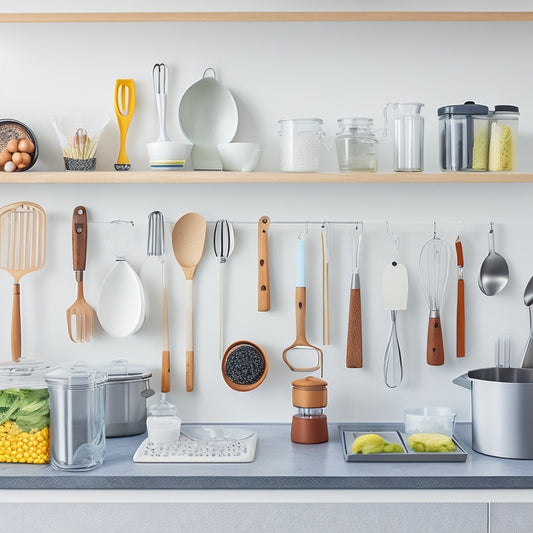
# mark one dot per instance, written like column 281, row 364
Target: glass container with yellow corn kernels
column 24, row 413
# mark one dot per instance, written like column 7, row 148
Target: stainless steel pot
column 127, row 388
column 502, row 417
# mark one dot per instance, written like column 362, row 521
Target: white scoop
column 121, row 304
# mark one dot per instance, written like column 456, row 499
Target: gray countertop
column 278, row 464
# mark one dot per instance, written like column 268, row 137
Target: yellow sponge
column 372, row 443
column 430, row 442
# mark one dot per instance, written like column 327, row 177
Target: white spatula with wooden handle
column 22, row 250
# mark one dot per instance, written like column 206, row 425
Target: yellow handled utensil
column 124, row 108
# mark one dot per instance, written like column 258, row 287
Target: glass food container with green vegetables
column 503, row 138
column 24, row 413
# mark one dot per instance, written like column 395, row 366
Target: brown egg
column 5, row 156
column 25, row 145
column 21, row 159
column 26, row 160
column 12, row 145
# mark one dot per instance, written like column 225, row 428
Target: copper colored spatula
column 80, row 313
column 22, row 250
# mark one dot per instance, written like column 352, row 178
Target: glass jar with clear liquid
column 408, row 137
column 357, row 145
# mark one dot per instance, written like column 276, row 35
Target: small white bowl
column 167, row 155
column 239, row 157
column 430, row 420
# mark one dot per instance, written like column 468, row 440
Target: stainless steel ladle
column 494, row 272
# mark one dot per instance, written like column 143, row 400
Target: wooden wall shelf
column 274, row 16
column 199, row 177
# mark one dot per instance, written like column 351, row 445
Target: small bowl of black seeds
column 244, row 366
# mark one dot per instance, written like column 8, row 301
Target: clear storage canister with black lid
column 503, row 138
column 464, row 137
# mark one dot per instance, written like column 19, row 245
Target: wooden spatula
column 22, row 250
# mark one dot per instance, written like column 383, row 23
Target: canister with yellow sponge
column 503, row 138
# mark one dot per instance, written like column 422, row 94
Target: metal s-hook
column 302, row 236
column 394, row 237
column 462, row 226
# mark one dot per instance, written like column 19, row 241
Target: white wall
column 275, row 70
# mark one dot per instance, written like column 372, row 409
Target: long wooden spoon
column 188, row 239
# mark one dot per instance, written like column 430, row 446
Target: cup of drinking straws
column 79, row 134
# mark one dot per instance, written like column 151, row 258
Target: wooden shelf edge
column 273, row 16
column 208, row 177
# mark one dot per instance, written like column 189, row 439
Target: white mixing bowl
column 239, row 157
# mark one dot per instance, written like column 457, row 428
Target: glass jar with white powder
column 300, row 145
column 163, row 423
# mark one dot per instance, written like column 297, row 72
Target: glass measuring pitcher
column 408, row 125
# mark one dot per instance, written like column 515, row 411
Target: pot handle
column 148, row 391
column 463, row 381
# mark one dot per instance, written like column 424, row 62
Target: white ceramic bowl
column 240, row 157
column 430, row 420
column 168, row 155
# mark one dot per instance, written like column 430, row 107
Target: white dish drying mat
column 191, row 450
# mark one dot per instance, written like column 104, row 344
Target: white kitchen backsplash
column 276, row 70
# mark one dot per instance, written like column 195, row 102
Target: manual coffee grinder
column 309, row 424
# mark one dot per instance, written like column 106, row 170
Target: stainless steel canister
column 502, row 418
column 77, row 417
column 127, row 387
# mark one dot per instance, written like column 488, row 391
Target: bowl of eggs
column 18, row 146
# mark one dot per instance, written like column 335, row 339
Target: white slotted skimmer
column 22, row 250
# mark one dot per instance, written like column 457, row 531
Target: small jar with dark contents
column 244, row 366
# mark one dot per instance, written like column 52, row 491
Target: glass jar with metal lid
column 503, row 138
column 464, row 137
column 357, row 145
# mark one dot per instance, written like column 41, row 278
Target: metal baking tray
column 349, row 432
